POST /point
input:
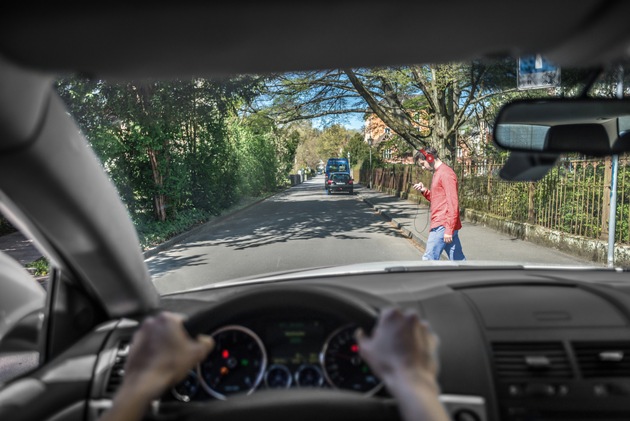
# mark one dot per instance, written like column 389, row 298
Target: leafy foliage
column 177, row 151
column 39, row 267
column 182, row 150
column 152, row 232
column 5, row 226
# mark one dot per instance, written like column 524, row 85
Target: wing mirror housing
column 22, row 302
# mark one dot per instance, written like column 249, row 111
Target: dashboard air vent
column 117, row 371
column 531, row 360
column 603, row 359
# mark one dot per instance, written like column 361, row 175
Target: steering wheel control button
column 600, row 390
column 515, row 390
column 563, row 390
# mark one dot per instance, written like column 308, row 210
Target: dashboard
column 514, row 344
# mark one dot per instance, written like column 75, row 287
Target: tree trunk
column 531, row 215
column 159, row 199
column 444, row 143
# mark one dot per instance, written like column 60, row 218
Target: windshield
column 223, row 178
column 335, row 165
column 341, row 178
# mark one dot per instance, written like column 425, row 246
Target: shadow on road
column 300, row 213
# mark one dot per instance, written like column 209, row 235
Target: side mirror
column 22, row 304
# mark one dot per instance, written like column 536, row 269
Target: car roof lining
column 121, row 41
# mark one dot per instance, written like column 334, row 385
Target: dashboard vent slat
column 603, row 359
column 117, row 371
column 531, row 360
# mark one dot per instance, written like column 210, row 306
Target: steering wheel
column 288, row 404
column 336, row 302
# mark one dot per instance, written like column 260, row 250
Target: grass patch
column 39, row 267
column 151, row 232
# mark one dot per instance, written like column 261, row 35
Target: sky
column 355, row 122
column 352, row 121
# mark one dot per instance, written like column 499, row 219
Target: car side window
column 24, row 285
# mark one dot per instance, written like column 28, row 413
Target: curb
column 184, row 235
column 407, row 233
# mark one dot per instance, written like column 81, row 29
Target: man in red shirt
column 444, row 205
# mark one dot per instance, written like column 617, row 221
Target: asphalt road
column 298, row 228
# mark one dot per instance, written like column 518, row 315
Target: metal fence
column 573, row 198
column 568, row 199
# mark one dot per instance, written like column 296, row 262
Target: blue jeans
column 436, row 244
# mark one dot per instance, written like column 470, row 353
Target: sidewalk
column 478, row 242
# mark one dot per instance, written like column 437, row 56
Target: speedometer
column 343, row 366
column 235, row 365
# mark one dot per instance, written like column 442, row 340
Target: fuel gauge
column 309, row 375
column 278, row 376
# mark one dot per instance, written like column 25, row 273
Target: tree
column 164, row 144
column 303, row 141
column 422, row 104
column 334, row 141
column 358, row 148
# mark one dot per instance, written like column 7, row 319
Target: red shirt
column 444, row 200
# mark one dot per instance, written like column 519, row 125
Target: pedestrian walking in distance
column 444, row 206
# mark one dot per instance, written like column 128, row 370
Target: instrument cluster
column 279, row 353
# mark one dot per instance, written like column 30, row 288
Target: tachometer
column 343, row 366
column 235, row 365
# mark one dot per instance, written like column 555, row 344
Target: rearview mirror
column 595, row 127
